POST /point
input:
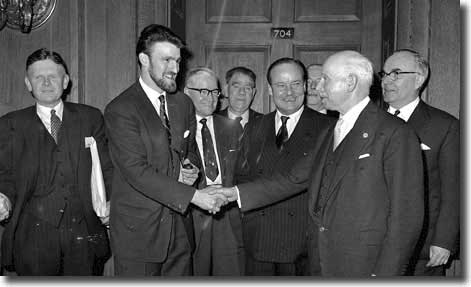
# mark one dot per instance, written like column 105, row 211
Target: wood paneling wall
column 432, row 27
column 97, row 39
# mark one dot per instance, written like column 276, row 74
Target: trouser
column 43, row 249
column 177, row 263
column 256, row 267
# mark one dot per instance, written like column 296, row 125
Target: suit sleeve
column 7, row 184
column 130, row 158
column 403, row 172
column 102, row 144
column 447, row 226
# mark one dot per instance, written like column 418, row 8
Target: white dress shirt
column 44, row 113
column 406, row 111
column 291, row 123
column 351, row 116
column 199, row 141
column 153, row 96
column 244, row 116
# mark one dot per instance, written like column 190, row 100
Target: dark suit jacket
column 277, row 233
column 19, row 150
column 373, row 212
column 440, row 132
column 147, row 195
column 252, row 114
column 219, row 237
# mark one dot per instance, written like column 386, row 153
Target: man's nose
column 173, row 66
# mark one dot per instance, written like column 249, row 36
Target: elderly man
column 403, row 78
column 240, row 89
column 365, row 180
column 219, row 246
column 275, row 236
column 313, row 99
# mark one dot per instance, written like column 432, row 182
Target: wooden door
column 222, row 34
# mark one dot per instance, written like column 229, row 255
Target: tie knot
column 239, row 119
column 203, row 121
column 284, row 119
column 397, row 112
column 53, row 112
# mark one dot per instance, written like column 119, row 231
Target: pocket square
column 186, row 134
column 364, row 155
column 424, row 146
column 89, row 141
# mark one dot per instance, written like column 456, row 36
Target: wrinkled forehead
column 403, row 61
column 203, row 80
column 241, row 78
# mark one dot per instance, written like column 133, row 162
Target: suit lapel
column 354, row 143
column 420, row 119
column 175, row 121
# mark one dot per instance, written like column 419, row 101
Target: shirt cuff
column 8, row 207
column 238, row 197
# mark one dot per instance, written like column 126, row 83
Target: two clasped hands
column 210, row 198
column 213, row 197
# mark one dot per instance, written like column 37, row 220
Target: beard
column 168, row 85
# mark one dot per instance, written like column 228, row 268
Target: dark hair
column 45, row 54
column 287, row 60
column 156, row 33
column 241, row 70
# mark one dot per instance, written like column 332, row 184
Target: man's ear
column 65, row 82
column 419, row 81
column 144, row 59
column 225, row 91
column 270, row 90
column 254, row 92
column 28, row 84
column 351, row 82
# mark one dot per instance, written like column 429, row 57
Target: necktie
column 396, row 113
column 210, row 164
column 282, row 134
column 164, row 118
column 337, row 132
column 55, row 125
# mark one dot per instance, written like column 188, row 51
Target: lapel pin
column 365, row 135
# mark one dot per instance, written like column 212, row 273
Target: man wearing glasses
column 403, row 79
column 240, row 90
column 219, row 247
column 275, row 237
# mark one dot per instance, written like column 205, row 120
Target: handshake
column 213, row 197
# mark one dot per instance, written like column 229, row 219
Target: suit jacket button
column 322, row 229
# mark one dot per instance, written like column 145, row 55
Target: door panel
column 225, row 34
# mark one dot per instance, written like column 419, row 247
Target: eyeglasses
column 206, row 92
column 296, row 85
column 393, row 74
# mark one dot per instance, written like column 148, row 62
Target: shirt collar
column 294, row 116
column 406, row 111
column 45, row 112
column 352, row 115
column 209, row 120
column 152, row 94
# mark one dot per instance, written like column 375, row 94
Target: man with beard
column 152, row 136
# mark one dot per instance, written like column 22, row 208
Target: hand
column 209, row 202
column 230, row 193
column 5, row 207
column 106, row 219
column 188, row 173
column 438, row 256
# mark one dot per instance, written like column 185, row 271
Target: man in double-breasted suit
column 404, row 75
column 365, row 180
column 275, row 237
column 45, row 169
column 219, row 247
column 152, row 137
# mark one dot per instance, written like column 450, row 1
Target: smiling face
column 47, row 81
column 287, row 87
column 406, row 87
column 204, row 105
column 161, row 66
